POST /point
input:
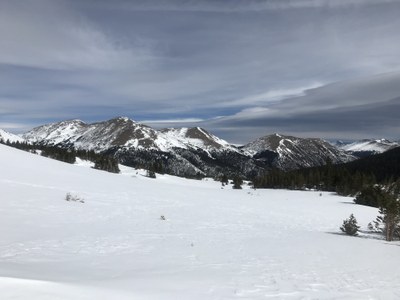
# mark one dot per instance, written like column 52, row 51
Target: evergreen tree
column 390, row 211
column 224, row 179
column 106, row 163
column 237, row 182
column 370, row 196
column 350, row 226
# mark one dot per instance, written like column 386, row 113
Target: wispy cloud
column 239, row 5
column 362, row 108
column 262, row 65
column 49, row 34
column 269, row 97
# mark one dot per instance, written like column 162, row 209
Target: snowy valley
column 135, row 237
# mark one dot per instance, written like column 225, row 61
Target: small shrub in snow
column 350, row 226
column 73, row 198
column 151, row 174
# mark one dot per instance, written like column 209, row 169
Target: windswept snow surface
column 214, row 244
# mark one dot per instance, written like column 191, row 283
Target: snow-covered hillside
column 213, row 244
column 197, row 138
column 124, row 132
column 7, row 136
column 369, row 146
column 294, row 152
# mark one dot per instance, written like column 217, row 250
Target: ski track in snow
column 216, row 243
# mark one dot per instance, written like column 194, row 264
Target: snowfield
column 215, row 243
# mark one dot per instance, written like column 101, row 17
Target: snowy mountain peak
column 55, row 133
column 196, row 137
column 126, row 133
column 368, row 146
column 126, row 119
column 294, row 152
column 121, row 120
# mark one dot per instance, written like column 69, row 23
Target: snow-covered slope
column 213, row 244
column 294, row 152
column 55, row 133
column 197, row 138
column 7, row 136
column 99, row 136
column 184, row 151
column 124, row 132
column 369, row 146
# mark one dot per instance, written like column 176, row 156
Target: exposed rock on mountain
column 288, row 152
column 185, row 151
column 188, row 152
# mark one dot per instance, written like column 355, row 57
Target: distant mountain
column 99, row 136
column 186, row 151
column 367, row 147
column 7, row 136
column 289, row 153
column 346, row 179
column 384, row 166
column 126, row 133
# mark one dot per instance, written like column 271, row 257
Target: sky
column 239, row 68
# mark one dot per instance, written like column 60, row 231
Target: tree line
column 101, row 161
column 345, row 179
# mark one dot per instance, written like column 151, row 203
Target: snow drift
column 215, row 243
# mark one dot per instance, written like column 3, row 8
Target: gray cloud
column 238, row 5
column 363, row 108
column 49, row 34
column 259, row 64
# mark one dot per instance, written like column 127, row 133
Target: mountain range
column 367, row 147
column 189, row 152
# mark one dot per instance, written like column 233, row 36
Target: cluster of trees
column 387, row 198
column 237, row 180
column 102, row 161
column 327, row 178
column 106, row 163
column 345, row 179
column 388, row 221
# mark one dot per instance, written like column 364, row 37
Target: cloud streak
column 263, row 66
column 51, row 35
column 363, row 108
column 235, row 6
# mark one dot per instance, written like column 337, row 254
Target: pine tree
column 237, row 182
column 390, row 211
column 224, row 179
column 350, row 226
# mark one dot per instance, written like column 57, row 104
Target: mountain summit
column 294, row 152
